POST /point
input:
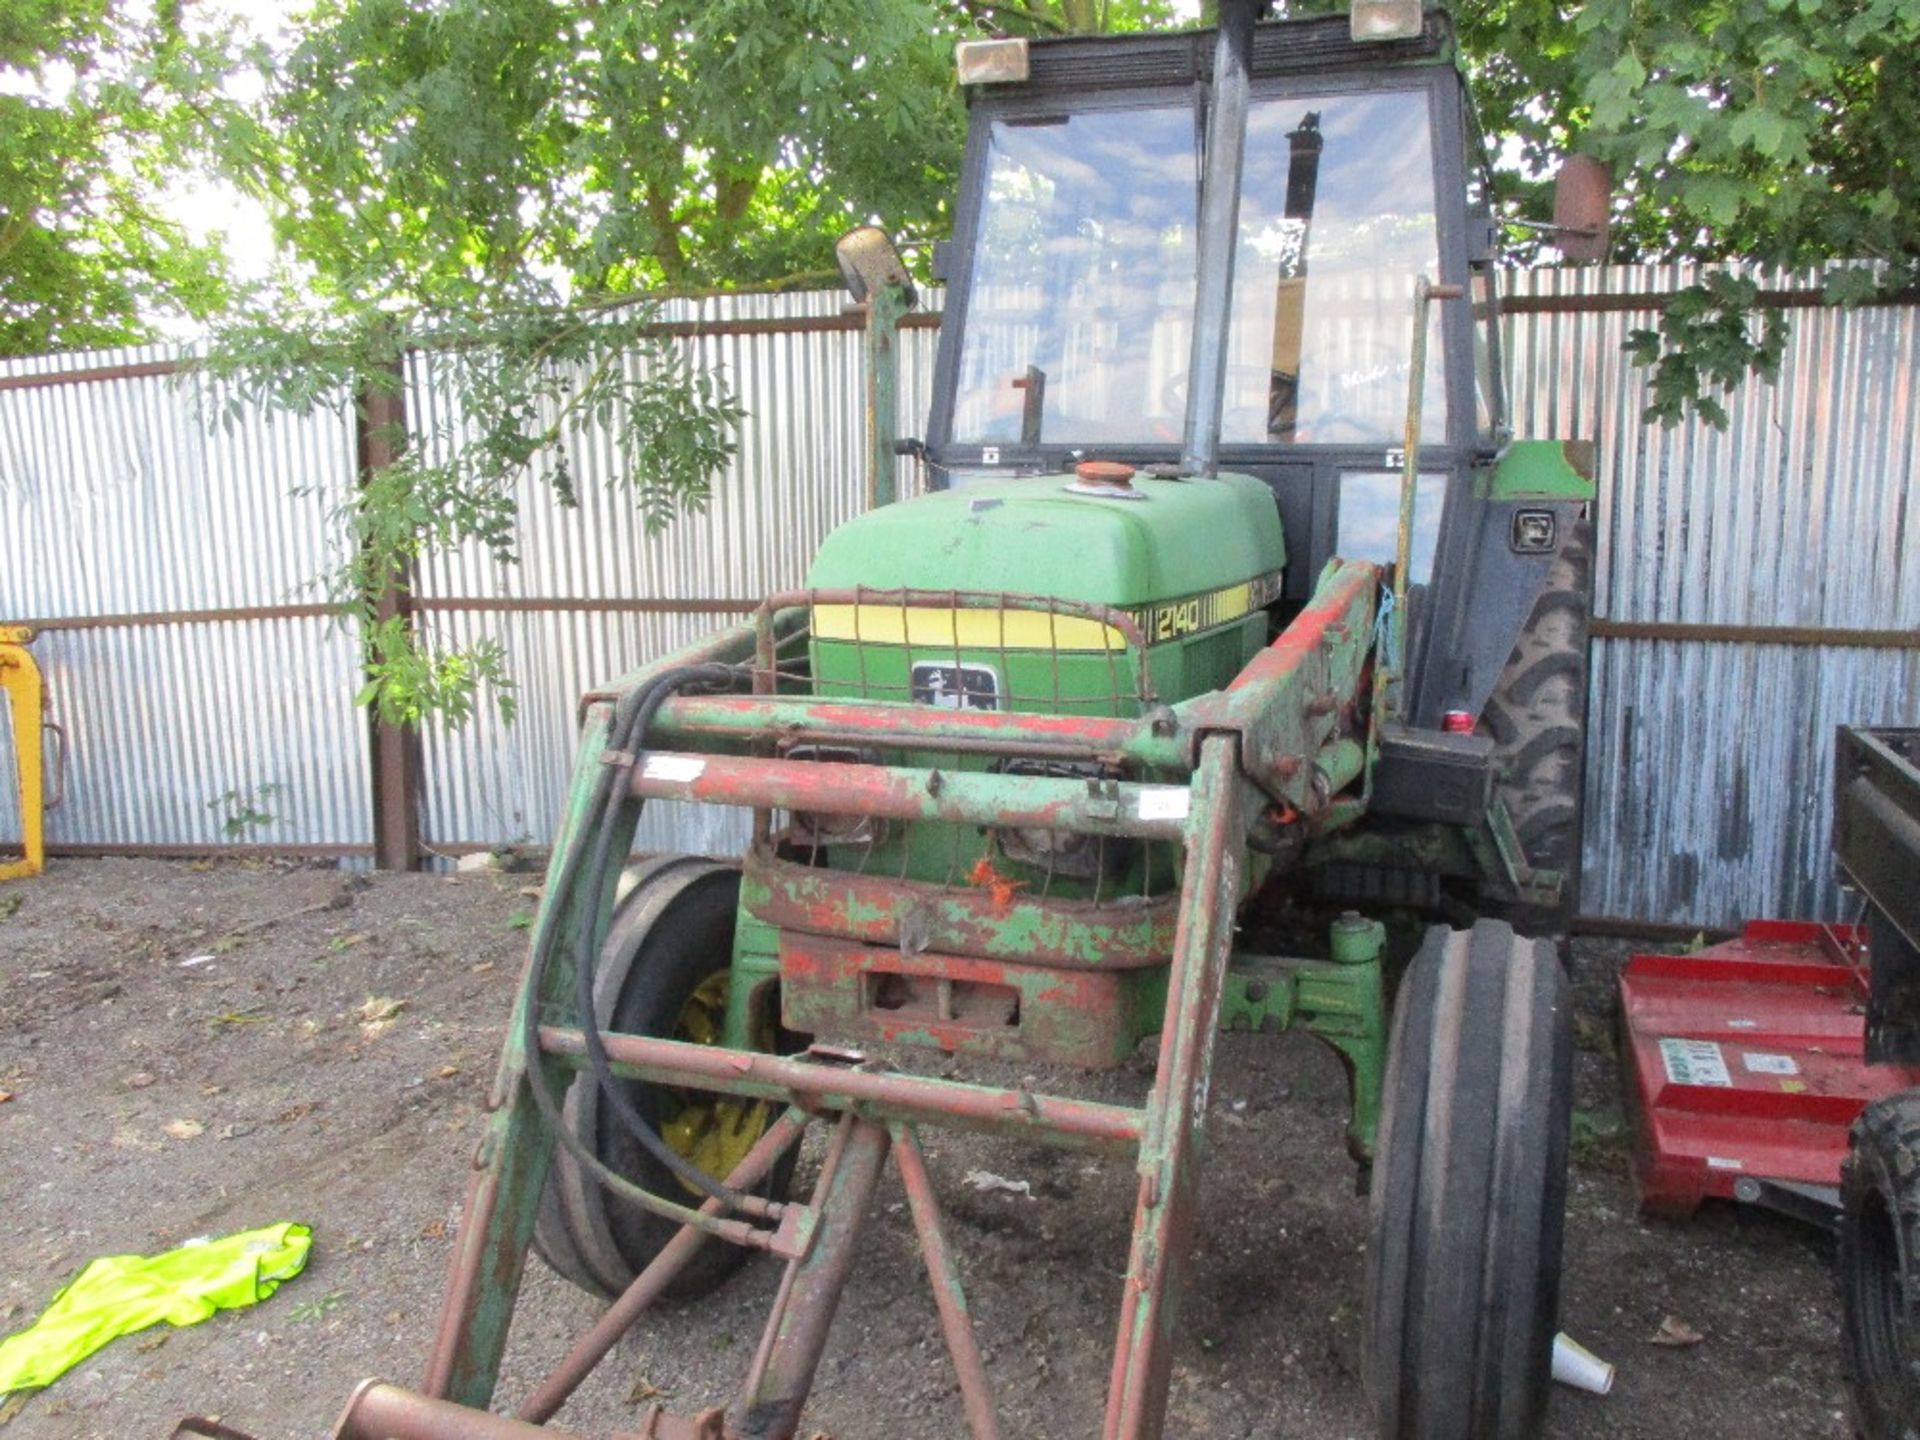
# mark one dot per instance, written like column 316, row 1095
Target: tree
column 513, row 184
column 93, row 96
column 576, row 151
column 1781, row 132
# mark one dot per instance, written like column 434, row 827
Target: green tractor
column 1229, row 587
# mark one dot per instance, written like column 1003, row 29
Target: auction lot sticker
column 1694, row 1062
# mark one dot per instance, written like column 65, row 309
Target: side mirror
column 869, row 263
column 1582, row 208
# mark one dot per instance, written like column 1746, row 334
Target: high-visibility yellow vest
column 119, row 1294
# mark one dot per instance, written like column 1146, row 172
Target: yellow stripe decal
column 937, row 627
column 949, row 628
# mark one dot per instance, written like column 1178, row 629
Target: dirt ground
column 157, row 1095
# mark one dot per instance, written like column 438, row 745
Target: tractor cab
column 1075, row 286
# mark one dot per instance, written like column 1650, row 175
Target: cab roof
column 1311, row 44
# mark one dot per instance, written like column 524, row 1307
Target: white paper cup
column 1575, row 1365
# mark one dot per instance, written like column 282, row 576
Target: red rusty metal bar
column 379, row 1411
column 976, row 1394
column 613, row 605
column 409, row 604
column 1168, row 1164
column 953, row 725
column 1120, row 934
column 962, row 797
column 781, row 325
column 591, row 1348
column 763, row 1351
column 796, row 1335
column 1818, row 636
column 882, row 1094
column 892, row 723
column 94, row 374
column 138, row 619
column 465, row 1284
column 1605, row 302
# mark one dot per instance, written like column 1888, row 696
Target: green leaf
column 1716, row 197
column 1761, row 130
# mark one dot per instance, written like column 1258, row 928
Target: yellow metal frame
column 26, row 698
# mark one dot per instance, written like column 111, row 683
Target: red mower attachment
column 1747, row 1068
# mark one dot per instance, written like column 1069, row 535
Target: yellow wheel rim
column 714, row 1132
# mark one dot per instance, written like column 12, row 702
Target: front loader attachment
column 1188, row 788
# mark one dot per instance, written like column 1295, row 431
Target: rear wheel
column 664, row 971
column 1537, row 718
column 1469, row 1190
column 1879, row 1268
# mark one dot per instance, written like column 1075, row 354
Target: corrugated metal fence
column 203, row 685
column 1749, row 582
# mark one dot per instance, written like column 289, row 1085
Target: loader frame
column 1290, row 732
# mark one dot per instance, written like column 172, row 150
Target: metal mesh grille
column 955, row 649
column 960, row 650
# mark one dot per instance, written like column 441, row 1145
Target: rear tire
column 1469, row 1189
column 671, row 935
column 1537, row 717
column 1878, row 1268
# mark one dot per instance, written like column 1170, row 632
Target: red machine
column 1748, row 1068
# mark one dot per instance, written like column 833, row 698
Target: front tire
column 1879, row 1268
column 663, row 972
column 1469, row 1190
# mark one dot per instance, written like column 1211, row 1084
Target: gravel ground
column 152, row 1099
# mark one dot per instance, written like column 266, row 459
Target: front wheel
column 1879, row 1268
column 1469, row 1190
column 664, row 971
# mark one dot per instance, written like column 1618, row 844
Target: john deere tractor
column 1229, row 587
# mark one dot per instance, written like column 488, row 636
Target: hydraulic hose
column 632, row 716
column 626, row 741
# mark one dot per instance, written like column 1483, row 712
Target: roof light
column 992, row 62
column 1385, row 20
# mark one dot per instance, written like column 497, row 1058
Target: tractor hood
column 1045, row 535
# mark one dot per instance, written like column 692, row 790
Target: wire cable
column 632, row 716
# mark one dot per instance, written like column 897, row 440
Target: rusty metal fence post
column 380, row 421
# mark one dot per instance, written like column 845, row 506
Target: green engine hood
column 1034, row 536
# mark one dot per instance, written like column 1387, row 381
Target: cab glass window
column 1080, row 307
column 1337, row 223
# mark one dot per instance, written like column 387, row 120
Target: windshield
column 1080, row 312
column 1336, row 225
column 1081, row 308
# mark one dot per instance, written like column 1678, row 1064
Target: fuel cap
column 1108, row 479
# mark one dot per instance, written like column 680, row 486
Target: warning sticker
column 1761, row 1064
column 1165, row 802
column 1694, row 1062
column 673, row 768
